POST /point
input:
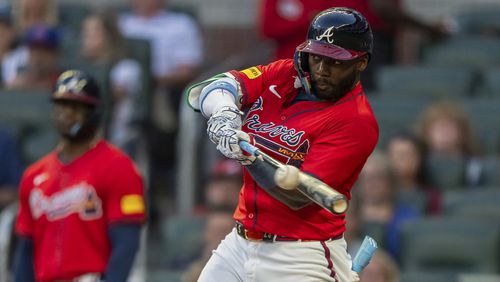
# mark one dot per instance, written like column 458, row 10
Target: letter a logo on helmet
column 328, row 34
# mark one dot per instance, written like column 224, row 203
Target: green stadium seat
column 183, row 238
column 71, row 16
column 478, row 52
column 450, row 244
column 446, row 172
column 477, row 21
column 420, row 276
column 27, row 115
column 425, row 82
column 484, row 118
column 476, row 203
column 490, row 86
column 396, row 114
column 164, row 276
column 415, row 199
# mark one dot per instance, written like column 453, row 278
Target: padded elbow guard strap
column 221, row 86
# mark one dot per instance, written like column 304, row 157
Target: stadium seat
column 476, row 203
column 483, row 115
column 396, row 114
column 491, row 171
column 451, row 244
column 446, row 173
column 490, row 86
column 479, row 21
column 415, row 199
column 71, row 16
column 419, row 276
column 183, row 239
column 425, row 82
column 478, row 52
column 27, row 115
column 164, row 276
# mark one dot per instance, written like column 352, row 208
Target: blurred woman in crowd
column 104, row 45
column 380, row 215
column 382, row 268
column 406, row 156
column 450, row 143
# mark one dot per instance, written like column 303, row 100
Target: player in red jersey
column 309, row 112
column 82, row 205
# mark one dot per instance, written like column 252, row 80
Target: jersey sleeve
column 254, row 81
column 338, row 156
column 125, row 194
column 24, row 221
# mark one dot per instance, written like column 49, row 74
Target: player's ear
column 362, row 63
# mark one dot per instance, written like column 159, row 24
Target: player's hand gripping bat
column 289, row 178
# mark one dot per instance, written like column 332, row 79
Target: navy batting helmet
column 339, row 33
column 77, row 85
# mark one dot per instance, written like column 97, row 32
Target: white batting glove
column 226, row 118
column 229, row 146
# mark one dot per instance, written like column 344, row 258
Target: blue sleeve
column 10, row 162
column 23, row 260
column 124, row 245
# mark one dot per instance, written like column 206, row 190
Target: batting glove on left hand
column 226, row 118
column 229, row 146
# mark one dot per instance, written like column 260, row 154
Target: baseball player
column 82, row 205
column 309, row 112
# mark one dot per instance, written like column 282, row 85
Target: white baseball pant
column 238, row 259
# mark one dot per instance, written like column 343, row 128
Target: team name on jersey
column 80, row 198
column 290, row 136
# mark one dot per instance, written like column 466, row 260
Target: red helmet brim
column 329, row 50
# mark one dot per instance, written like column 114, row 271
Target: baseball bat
column 313, row 188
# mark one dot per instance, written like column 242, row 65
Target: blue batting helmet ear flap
column 302, row 67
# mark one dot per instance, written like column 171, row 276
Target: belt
column 268, row 237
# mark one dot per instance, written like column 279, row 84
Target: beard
column 325, row 90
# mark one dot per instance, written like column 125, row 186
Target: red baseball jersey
column 67, row 208
column 328, row 140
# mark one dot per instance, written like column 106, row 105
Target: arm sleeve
column 124, row 240
column 338, row 157
column 10, row 162
column 23, row 260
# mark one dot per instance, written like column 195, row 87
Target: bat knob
column 287, row 177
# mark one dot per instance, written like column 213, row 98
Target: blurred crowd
column 146, row 52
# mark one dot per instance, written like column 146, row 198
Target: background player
column 310, row 112
column 82, row 205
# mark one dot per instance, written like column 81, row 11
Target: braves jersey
column 67, row 208
column 330, row 140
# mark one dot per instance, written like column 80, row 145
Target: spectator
column 41, row 70
column 10, row 169
column 219, row 222
column 380, row 214
column 103, row 44
column 382, row 268
column 29, row 13
column 26, row 14
column 6, row 33
column 448, row 136
column 406, row 156
column 283, row 21
column 224, row 185
column 176, row 54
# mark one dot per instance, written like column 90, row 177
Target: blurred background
column 429, row 194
